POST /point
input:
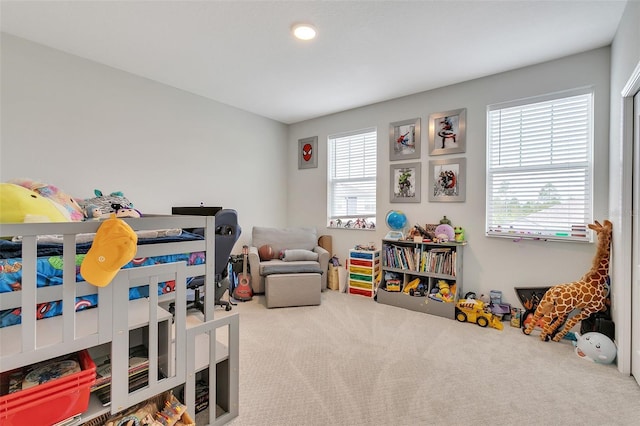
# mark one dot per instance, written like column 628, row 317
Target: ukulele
column 243, row 291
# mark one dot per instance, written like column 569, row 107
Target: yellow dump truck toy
column 471, row 310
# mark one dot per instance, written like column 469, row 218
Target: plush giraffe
column 587, row 294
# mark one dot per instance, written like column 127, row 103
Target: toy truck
column 471, row 310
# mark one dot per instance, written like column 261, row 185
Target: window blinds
column 539, row 168
column 352, row 175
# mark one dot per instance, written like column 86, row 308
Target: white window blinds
column 352, row 176
column 539, row 168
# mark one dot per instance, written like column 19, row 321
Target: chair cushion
column 279, row 267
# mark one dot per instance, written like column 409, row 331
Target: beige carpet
column 352, row 361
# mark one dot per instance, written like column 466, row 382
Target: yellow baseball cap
column 114, row 246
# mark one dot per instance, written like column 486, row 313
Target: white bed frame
column 184, row 344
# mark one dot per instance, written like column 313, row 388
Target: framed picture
column 446, row 179
column 448, row 132
column 404, row 139
column 405, row 183
column 307, row 155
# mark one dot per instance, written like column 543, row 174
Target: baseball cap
column 114, row 246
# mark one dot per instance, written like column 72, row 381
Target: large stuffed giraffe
column 587, row 294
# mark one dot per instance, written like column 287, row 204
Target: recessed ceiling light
column 304, row 31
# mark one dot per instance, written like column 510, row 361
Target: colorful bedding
column 49, row 272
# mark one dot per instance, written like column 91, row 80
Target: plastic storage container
column 53, row 401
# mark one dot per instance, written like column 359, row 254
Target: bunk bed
column 183, row 347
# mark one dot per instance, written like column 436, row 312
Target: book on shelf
column 440, row 260
column 137, row 380
column 138, row 361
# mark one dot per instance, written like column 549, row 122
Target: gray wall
column 81, row 126
column 489, row 263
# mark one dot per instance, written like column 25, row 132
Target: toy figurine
column 445, row 221
column 459, row 234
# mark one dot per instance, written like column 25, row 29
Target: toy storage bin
column 364, row 266
column 50, row 402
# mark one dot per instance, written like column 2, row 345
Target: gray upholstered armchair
column 302, row 255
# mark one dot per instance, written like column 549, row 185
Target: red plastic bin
column 53, row 401
column 360, row 291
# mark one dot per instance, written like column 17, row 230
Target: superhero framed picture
column 307, row 153
column 448, row 132
column 446, row 180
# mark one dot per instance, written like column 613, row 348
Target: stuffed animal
column 19, row 204
column 587, row 295
column 443, row 292
column 115, row 202
column 91, row 211
column 55, row 194
column 459, row 234
column 595, row 347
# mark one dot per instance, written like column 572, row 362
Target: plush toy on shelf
column 443, row 292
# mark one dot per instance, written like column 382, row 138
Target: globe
column 397, row 221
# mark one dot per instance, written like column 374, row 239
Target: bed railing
column 37, row 340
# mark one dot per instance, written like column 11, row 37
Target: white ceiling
column 241, row 53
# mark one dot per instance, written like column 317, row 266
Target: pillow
column 299, row 254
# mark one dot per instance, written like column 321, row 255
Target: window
column 539, row 167
column 352, row 179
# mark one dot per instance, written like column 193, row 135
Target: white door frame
column 635, row 273
column 623, row 335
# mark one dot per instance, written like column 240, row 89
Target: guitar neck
column 244, row 265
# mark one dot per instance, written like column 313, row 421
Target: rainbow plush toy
column 19, row 204
column 55, row 194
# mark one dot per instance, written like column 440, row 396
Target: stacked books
column 138, row 373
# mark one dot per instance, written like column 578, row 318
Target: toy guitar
column 243, row 291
